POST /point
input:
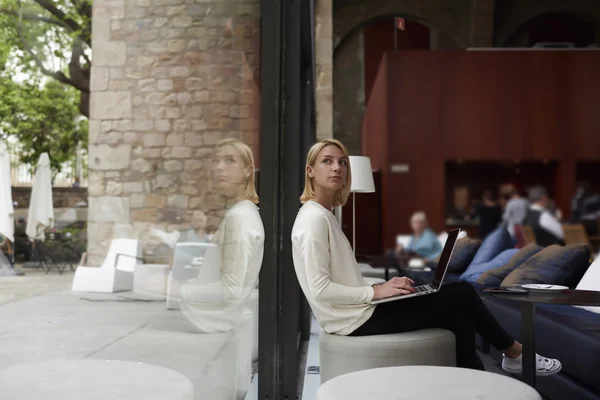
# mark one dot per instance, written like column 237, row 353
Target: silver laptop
column 438, row 278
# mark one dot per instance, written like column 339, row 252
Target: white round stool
column 340, row 355
column 94, row 380
column 425, row 383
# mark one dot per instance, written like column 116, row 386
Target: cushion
column 591, row 281
column 555, row 265
column 494, row 244
column 464, row 251
column 474, row 271
column 495, row 276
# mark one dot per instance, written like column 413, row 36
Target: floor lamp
column 362, row 182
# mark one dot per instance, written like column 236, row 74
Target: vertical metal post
column 528, row 337
column 395, row 33
column 283, row 136
column 269, row 358
column 354, row 223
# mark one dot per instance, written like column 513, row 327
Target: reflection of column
column 596, row 33
column 439, row 40
column 482, row 23
column 324, row 67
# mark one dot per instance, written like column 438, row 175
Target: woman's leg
column 462, row 298
column 456, row 307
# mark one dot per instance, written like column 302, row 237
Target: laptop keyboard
column 421, row 289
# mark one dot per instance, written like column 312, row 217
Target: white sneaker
column 544, row 366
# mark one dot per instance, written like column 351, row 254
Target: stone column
column 324, row 67
column 482, row 23
column 169, row 80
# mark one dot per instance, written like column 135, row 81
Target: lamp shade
column 362, row 175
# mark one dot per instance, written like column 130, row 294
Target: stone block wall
column 170, row 78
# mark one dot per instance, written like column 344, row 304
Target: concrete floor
column 32, row 284
column 45, row 321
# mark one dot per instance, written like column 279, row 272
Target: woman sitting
column 341, row 299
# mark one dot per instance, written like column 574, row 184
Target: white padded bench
column 425, row 383
column 344, row 354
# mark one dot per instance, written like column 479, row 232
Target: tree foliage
column 41, row 118
column 52, row 37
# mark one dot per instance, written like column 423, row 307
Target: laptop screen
column 442, row 266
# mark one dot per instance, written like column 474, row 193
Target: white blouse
column 215, row 300
column 328, row 273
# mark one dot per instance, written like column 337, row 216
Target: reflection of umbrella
column 41, row 211
column 7, row 222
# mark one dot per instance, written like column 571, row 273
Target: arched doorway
column 356, row 60
column 553, row 27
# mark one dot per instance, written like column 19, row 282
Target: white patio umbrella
column 7, row 211
column 41, row 210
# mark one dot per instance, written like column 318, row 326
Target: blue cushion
column 556, row 265
column 494, row 277
column 474, row 271
column 494, row 244
column 463, row 254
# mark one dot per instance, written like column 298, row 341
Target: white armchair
column 115, row 274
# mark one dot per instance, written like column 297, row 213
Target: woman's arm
column 316, row 257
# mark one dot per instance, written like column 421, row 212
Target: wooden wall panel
column 584, row 104
column 469, row 106
column 368, row 220
column 478, row 106
column 414, row 105
column 545, row 101
column 375, row 129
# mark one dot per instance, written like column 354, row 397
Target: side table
column 528, row 302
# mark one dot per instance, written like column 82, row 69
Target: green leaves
column 43, row 118
column 44, row 68
column 49, row 37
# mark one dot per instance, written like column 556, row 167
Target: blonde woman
column 217, row 306
column 341, row 299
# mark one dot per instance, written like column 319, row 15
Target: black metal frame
column 286, row 132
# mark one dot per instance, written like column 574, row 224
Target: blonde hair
column 248, row 159
column 419, row 216
column 341, row 196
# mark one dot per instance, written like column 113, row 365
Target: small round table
column 425, row 383
column 94, row 380
column 529, row 300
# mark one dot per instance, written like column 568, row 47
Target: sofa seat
column 568, row 333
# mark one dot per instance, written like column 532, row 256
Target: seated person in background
column 489, row 214
column 585, row 208
column 424, row 242
column 515, row 212
column 546, row 227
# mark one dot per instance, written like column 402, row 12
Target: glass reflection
column 215, row 299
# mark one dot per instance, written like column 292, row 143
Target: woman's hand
column 394, row 287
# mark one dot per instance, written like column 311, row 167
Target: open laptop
column 438, row 278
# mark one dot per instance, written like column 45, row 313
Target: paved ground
column 33, row 284
column 45, row 321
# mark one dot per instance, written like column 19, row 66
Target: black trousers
column 456, row 307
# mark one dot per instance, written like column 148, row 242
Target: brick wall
column 170, row 78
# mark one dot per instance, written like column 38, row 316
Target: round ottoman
column 340, row 355
column 425, row 383
column 93, row 379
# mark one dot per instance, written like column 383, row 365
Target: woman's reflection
column 215, row 300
